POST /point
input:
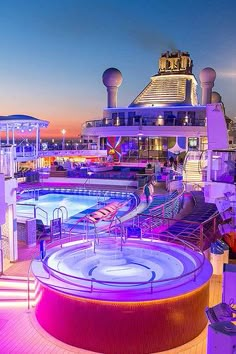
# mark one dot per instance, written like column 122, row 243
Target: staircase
column 14, row 291
column 192, row 172
column 194, row 166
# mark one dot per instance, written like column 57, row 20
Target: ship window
column 168, row 114
column 192, row 142
column 131, row 114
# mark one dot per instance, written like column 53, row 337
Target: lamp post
column 63, row 138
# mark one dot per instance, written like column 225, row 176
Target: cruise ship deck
column 21, row 333
column 115, row 288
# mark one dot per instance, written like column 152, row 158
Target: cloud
column 151, row 39
column 227, row 74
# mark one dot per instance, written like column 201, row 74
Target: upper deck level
column 153, row 120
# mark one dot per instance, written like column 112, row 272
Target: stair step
column 10, row 297
column 14, row 289
column 11, row 284
column 16, row 303
column 16, row 278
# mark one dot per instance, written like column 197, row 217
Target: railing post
column 28, row 291
column 201, row 237
column 214, row 225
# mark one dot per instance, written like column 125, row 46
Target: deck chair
column 104, row 211
column 111, row 208
column 221, row 313
column 91, row 219
column 97, row 216
column 41, row 229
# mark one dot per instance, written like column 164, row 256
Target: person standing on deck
column 157, row 167
column 147, row 192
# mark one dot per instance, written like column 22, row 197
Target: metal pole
column 201, row 237
column 214, row 225
column 37, row 141
column 7, row 131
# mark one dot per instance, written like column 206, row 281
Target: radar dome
column 112, row 77
column 207, row 75
column 215, row 97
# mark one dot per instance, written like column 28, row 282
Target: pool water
column 134, row 267
column 74, row 203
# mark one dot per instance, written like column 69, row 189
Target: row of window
column 166, row 114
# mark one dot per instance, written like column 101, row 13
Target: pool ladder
column 60, row 213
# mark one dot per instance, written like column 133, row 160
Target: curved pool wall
column 136, row 313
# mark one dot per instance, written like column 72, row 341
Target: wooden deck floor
column 20, row 332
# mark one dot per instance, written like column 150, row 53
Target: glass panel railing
column 223, row 166
column 7, row 160
column 143, row 121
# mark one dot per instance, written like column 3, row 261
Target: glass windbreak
column 6, row 160
column 223, row 166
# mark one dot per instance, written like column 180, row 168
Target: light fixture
column 63, row 131
column 140, row 133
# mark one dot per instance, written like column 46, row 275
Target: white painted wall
column 9, row 227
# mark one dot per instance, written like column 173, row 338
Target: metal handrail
column 77, row 222
column 61, row 210
column 35, row 210
column 171, row 201
column 1, row 265
column 94, row 281
column 84, row 218
column 28, row 278
column 203, row 152
column 198, row 232
column 39, row 208
column 158, row 216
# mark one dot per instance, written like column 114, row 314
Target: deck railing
column 143, row 121
column 199, row 233
column 72, row 282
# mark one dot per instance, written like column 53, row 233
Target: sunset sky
column 53, row 53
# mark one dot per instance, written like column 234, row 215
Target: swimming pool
column 72, row 202
column 46, row 204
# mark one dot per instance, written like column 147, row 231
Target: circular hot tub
column 136, row 297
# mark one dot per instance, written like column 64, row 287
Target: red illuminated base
column 123, row 327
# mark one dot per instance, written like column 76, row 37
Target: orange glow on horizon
column 61, row 116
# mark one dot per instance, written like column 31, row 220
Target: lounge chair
column 221, row 313
column 41, row 229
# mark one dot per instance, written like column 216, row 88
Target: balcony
column 145, row 121
column 63, row 153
